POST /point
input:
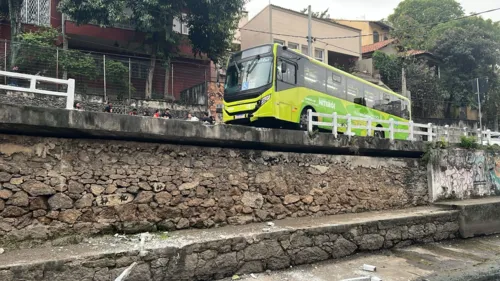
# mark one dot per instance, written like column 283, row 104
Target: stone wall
column 97, row 103
column 463, row 174
column 54, row 187
column 209, row 257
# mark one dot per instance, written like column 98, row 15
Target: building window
column 293, row 46
column 305, row 50
column 36, row 12
column 319, row 54
column 386, row 36
column 180, row 25
column 376, row 37
column 278, row 41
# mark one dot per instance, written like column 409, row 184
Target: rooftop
column 376, row 46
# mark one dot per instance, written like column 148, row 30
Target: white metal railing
column 34, row 79
column 415, row 131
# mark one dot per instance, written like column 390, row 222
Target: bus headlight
column 265, row 99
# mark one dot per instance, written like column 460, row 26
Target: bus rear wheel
column 379, row 134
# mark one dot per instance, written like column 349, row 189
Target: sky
column 365, row 9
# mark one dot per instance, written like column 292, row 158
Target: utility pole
column 479, row 107
column 309, row 36
column 270, row 23
column 403, row 82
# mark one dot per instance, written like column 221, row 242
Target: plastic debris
column 126, row 273
column 266, row 229
column 2, row 251
column 374, row 278
column 235, row 277
column 365, row 278
column 270, row 224
column 253, row 276
column 367, row 267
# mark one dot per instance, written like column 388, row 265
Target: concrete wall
column 52, row 187
column 96, row 103
column 281, row 19
column 463, row 174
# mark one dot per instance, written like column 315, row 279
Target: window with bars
column 181, row 26
column 36, row 12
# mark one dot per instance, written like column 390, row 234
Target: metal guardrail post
column 309, row 121
column 369, row 127
column 391, row 129
column 70, row 100
column 465, row 131
column 335, row 125
column 429, row 132
column 488, row 136
column 411, row 137
column 446, row 133
column 349, row 125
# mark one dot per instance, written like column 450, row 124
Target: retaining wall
column 53, row 187
column 463, row 174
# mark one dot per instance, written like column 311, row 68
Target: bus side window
column 314, row 77
column 289, row 75
column 334, row 85
column 355, row 91
column 370, row 96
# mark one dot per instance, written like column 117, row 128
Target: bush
column 468, row 142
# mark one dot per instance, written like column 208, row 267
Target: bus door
column 286, row 81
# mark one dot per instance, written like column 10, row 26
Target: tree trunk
column 167, row 89
column 151, row 70
column 15, row 7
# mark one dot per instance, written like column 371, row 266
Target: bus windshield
column 248, row 75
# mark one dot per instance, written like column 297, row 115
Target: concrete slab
column 411, row 263
column 477, row 216
column 54, row 122
column 216, row 253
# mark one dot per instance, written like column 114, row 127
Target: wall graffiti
column 465, row 174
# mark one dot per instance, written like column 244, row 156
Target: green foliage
column 433, row 151
column 117, row 75
column 36, row 54
column 320, row 15
column 78, row 64
column 468, row 142
column 390, row 67
column 413, row 20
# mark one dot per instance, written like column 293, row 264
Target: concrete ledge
column 477, row 216
column 217, row 253
column 77, row 124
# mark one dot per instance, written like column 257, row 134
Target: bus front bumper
column 248, row 112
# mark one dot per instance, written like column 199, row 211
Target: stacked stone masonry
column 57, row 187
column 212, row 259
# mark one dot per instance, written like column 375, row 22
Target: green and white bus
column 272, row 85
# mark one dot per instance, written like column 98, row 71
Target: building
column 373, row 31
column 290, row 28
column 120, row 42
column 390, row 47
column 237, row 34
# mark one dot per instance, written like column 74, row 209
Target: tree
column 469, row 50
column 413, row 20
column 319, row 15
column 15, row 7
column 390, row 68
column 211, row 23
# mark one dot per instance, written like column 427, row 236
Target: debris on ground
column 2, row 251
column 271, row 224
column 367, row 267
column 126, row 273
column 235, row 277
column 266, row 229
column 253, row 276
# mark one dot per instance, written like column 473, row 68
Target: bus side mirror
column 283, row 67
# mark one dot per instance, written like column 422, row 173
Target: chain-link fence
column 112, row 76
